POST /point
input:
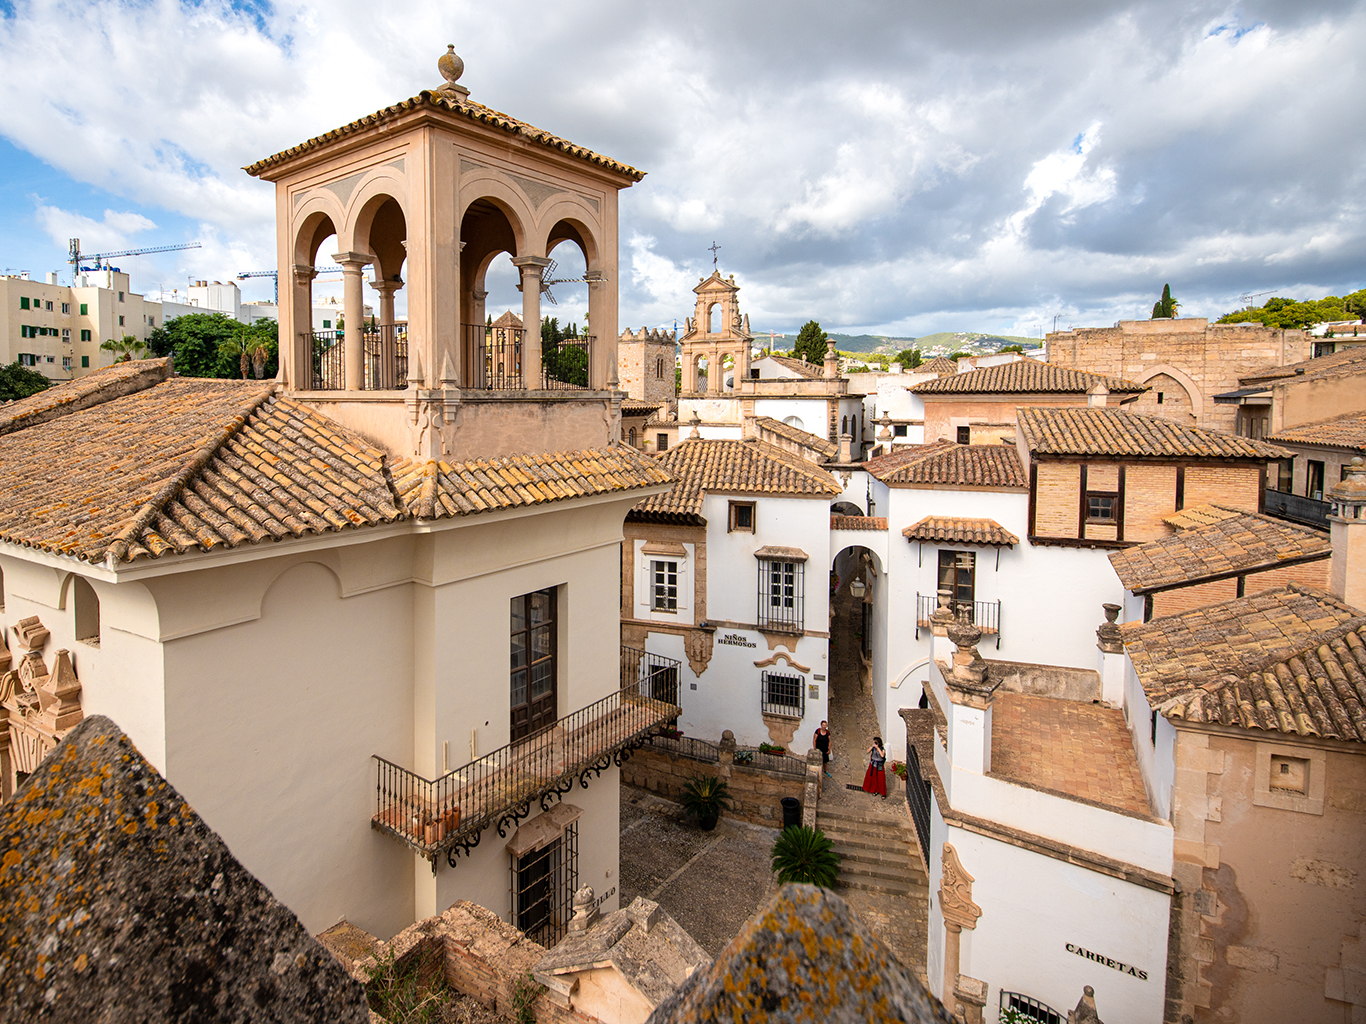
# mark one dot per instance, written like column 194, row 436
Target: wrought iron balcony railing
column 1297, row 508
column 985, row 615
column 384, row 364
column 448, row 815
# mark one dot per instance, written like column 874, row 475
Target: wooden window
column 665, row 576
column 1285, row 476
column 85, row 309
column 780, row 594
column 534, row 643
column 1313, row 480
column 631, row 437
column 741, row 517
column 965, row 435
column 1102, row 507
column 958, row 572
column 662, row 442
column 23, row 302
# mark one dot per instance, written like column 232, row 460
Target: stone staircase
column 878, row 851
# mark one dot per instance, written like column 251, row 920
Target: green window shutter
column 23, row 302
column 85, row 360
column 85, row 309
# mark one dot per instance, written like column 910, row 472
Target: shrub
column 804, row 854
column 705, row 796
column 771, row 748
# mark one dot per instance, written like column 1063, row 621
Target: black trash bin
column 792, row 812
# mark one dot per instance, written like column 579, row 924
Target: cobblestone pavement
column 710, row 882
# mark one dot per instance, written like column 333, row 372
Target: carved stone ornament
column 38, row 707
column 1108, row 637
column 451, row 67
column 698, row 645
column 955, row 892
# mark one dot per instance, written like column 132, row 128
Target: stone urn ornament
column 451, row 67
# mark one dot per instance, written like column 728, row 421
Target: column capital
column 303, row 272
column 595, row 276
column 353, row 262
column 480, row 295
column 525, row 263
column 386, row 287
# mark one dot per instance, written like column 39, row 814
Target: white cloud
column 113, row 232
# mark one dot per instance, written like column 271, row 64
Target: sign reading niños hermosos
column 1122, row 968
column 736, row 640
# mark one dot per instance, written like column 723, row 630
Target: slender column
column 388, row 341
column 299, row 345
column 353, row 308
column 602, row 370
column 531, row 268
column 952, row 958
column 715, row 372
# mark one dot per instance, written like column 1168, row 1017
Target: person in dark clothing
column 822, row 743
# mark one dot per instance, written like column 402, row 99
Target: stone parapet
column 756, row 793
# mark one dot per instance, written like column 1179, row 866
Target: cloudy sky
column 897, row 167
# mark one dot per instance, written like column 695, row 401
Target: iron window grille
column 781, row 595
column 543, row 884
column 665, row 586
column 784, row 695
column 1031, row 1008
column 1101, row 508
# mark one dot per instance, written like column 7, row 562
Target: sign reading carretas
column 1122, row 968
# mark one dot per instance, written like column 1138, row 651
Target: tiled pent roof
column 1239, row 542
column 187, row 464
column 1088, row 431
column 939, row 364
column 435, row 490
column 819, row 445
column 1347, row 363
column 1200, row 515
column 732, row 467
column 965, row 465
column 92, row 389
column 1290, row 660
column 1025, row 376
column 800, row 367
column 961, row 530
column 453, row 109
column 1343, row 432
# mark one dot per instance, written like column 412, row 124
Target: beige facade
column 718, row 335
column 1185, row 362
column 57, row 330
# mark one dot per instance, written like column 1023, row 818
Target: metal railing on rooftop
column 449, row 814
column 985, row 615
column 384, row 360
column 1297, row 508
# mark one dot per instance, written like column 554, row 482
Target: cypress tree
column 1165, row 307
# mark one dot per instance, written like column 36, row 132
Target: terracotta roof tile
column 858, row 522
column 1200, row 515
column 187, row 463
column 454, row 110
column 632, row 407
column 961, row 530
column 1112, row 432
column 1343, row 432
column 968, row 465
column 819, row 445
column 434, row 490
column 1238, row 542
column 800, row 367
column 93, row 389
column 1025, row 376
column 1289, row 660
column 1350, row 362
column 939, row 364
column 732, row 467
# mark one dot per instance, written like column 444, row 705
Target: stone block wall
column 756, row 793
column 638, row 356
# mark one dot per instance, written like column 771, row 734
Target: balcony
column 448, row 815
column 1297, row 508
column 498, row 353
column 985, row 615
column 384, row 363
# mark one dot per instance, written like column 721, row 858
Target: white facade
column 262, row 681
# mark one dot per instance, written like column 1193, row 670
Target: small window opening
column 87, row 611
column 965, row 435
column 1160, row 397
column 742, row 516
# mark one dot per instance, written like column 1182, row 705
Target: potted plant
column 898, row 768
column 705, row 796
column 771, row 748
column 804, row 854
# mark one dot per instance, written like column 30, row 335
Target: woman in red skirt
column 875, row 779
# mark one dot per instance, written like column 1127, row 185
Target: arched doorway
column 858, row 601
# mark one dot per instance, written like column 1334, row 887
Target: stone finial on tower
column 1108, row 637
column 1347, row 526
column 451, row 67
column 832, row 360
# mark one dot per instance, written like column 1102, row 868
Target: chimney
column 846, row 448
column 1347, row 523
column 970, row 693
column 52, row 277
column 1096, row 398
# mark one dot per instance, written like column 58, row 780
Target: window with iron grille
column 1030, row 1008
column 780, row 594
column 665, row 586
column 783, row 695
column 543, row 884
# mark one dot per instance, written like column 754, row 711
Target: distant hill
column 973, row 342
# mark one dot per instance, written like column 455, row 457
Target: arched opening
column 566, row 348
column 700, row 370
column 845, row 508
column 382, row 231
column 858, row 593
column 795, row 421
column 318, row 315
column 491, row 357
column 711, row 318
column 631, row 437
column 659, row 368
column 87, row 611
column 844, row 424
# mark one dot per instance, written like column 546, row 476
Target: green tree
column 19, row 382
column 238, row 347
column 207, row 345
column 1294, row 314
column 811, row 343
column 125, row 348
column 1011, row 348
column 1166, row 306
column 909, row 358
column 960, row 354
column 803, row 854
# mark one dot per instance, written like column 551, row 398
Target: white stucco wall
column 811, row 412
column 1157, row 761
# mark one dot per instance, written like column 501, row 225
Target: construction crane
column 76, row 257
column 274, row 276
column 1256, row 295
